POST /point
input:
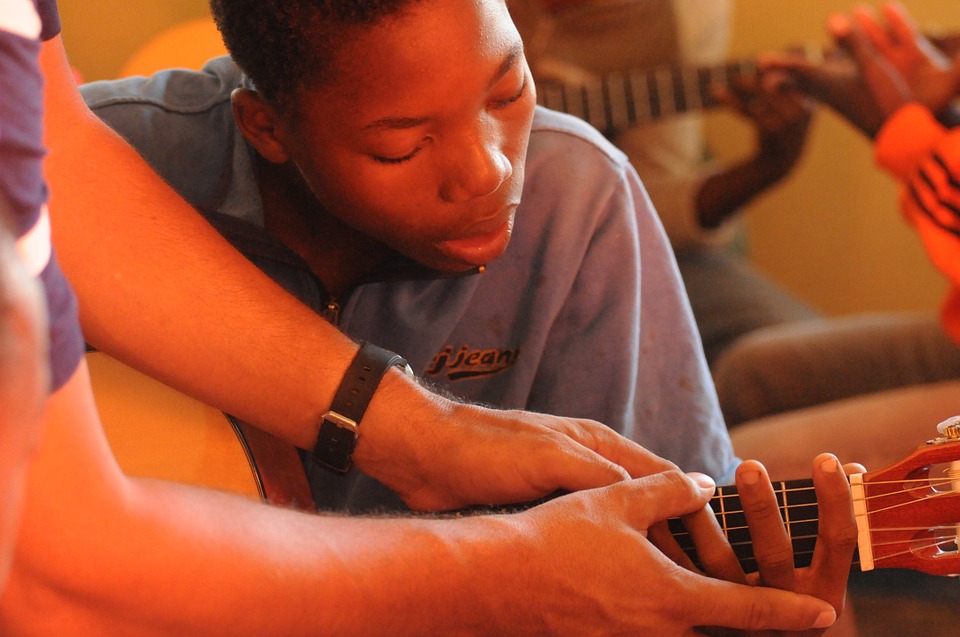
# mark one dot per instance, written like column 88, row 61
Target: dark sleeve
column 50, row 18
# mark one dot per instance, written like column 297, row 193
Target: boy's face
column 420, row 140
column 23, row 388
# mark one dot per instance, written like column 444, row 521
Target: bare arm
column 207, row 320
column 102, row 554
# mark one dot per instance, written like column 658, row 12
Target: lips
column 482, row 248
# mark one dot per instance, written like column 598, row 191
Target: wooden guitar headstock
column 909, row 512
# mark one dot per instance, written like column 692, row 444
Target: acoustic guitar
column 908, row 513
column 158, row 432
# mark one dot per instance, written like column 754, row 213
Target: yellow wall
column 101, row 34
column 831, row 233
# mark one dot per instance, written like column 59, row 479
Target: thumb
column 714, row 602
column 667, row 494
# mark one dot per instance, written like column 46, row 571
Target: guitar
column 157, row 432
column 618, row 100
column 908, row 513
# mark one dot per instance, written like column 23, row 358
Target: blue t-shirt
column 22, row 24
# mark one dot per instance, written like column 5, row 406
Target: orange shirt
column 925, row 157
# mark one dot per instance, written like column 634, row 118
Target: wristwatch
column 339, row 427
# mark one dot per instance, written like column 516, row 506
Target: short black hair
column 286, row 45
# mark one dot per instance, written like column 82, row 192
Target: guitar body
column 158, row 432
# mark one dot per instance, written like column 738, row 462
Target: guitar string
column 914, row 547
column 801, row 538
column 795, row 490
column 810, row 489
column 723, row 518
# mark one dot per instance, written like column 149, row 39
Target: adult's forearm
column 161, row 290
column 102, row 554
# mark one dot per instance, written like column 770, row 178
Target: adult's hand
column 597, row 571
column 439, row 454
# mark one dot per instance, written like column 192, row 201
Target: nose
column 478, row 164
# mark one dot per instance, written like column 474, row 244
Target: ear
column 260, row 124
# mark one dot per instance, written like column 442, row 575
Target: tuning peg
column 950, row 428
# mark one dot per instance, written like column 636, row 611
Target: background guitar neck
column 616, row 101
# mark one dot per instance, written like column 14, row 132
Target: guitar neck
column 798, row 507
column 619, row 100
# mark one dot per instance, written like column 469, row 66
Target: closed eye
column 515, row 98
column 397, row 160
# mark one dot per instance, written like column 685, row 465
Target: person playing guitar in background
column 698, row 199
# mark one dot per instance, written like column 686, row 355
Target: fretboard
column 618, row 100
column 798, row 508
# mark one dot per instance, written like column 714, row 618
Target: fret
column 607, row 106
column 785, row 510
column 691, row 89
column 666, row 92
column 680, row 97
column 619, row 101
column 593, row 105
column 573, row 104
column 640, row 92
column 723, row 512
column 705, row 84
column 653, row 94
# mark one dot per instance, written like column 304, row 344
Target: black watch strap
column 338, row 433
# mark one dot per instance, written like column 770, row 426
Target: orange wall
column 831, row 233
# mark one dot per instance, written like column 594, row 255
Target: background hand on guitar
column 780, row 115
column 889, row 63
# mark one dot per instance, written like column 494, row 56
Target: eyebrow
column 403, row 123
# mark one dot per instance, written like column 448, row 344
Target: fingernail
column 750, row 476
column 830, row 465
column 825, row 619
column 703, row 481
column 838, row 24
